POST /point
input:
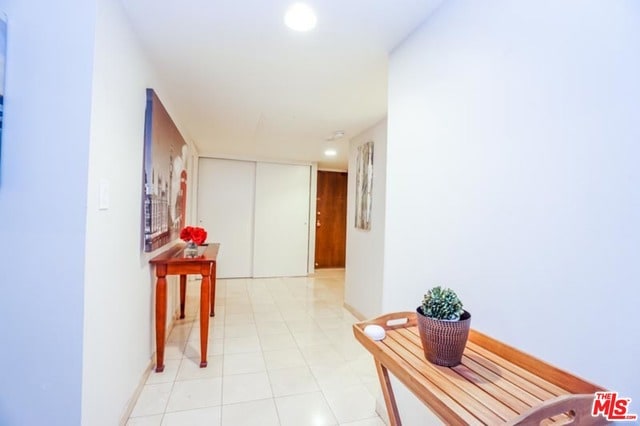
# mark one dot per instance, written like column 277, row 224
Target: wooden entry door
column 331, row 220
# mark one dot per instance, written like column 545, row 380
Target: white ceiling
column 244, row 85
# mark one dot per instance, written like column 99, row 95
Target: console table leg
column 205, row 290
column 389, row 398
column 161, row 321
column 183, row 294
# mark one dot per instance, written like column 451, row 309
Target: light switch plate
column 103, row 197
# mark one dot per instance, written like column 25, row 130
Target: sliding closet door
column 225, row 210
column 281, row 241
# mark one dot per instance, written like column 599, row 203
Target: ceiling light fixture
column 300, row 17
column 335, row 136
column 330, row 153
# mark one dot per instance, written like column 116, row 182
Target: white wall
column 43, row 178
column 119, row 287
column 364, row 257
column 513, row 176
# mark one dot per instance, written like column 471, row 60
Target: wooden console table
column 173, row 262
column 494, row 384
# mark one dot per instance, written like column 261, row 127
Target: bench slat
column 532, row 383
column 479, row 410
column 503, row 381
column 501, row 363
column 550, row 373
column 488, row 396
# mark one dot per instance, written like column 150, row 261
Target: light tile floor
column 281, row 353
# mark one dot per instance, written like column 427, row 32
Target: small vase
column 191, row 249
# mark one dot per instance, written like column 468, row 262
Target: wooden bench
column 494, row 384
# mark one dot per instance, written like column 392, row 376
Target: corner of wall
column 365, row 249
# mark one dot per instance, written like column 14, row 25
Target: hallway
column 281, row 352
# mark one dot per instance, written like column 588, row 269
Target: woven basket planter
column 443, row 341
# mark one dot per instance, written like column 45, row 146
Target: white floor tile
column 276, row 342
column 262, row 307
column 342, row 336
column 216, row 346
column 321, row 354
column 308, row 409
column 174, row 350
column 332, row 376
column 192, row 350
column 253, row 413
column 292, row 381
column 285, row 358
column 325, row 313
column 245, row 387
column 351, row 403
column 243, row 363
column 179, row 334
column 216, row 331
column 364, row 367
column 240, row 318
column 171, row 367
column 235, row 345
column 268, row 316
column 331, row 324
column 293, row 315
column 152, row 400
column 190, row 368
column 209, row 416
column 243, row 330
column 303, row 326
column 350, row 351
column 267, row 328
column 239, row 308
column 191, row 394
column 373, row 386
column 314, row 338
column 218, row 310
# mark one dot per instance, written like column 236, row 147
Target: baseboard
column 152, row 362
column 354, row 312
column 136, row 394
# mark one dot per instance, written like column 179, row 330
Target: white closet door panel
column 281, row 239
column 225, row 209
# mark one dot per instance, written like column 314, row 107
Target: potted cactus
column 444, row 326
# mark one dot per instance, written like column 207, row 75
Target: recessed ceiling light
column 300, row 17
column 330, row 153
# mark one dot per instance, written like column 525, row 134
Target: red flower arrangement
column 193, row 233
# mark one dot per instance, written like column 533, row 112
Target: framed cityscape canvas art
column 165, row 176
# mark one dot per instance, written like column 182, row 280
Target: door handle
column 317, row 224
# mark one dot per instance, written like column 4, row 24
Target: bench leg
column 389, row 398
